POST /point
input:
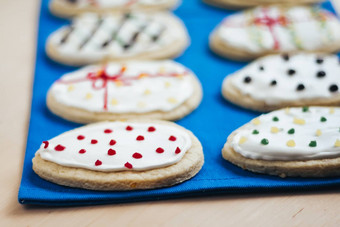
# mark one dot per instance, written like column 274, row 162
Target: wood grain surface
column 18, row 26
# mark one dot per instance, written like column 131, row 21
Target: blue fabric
column 212, row 122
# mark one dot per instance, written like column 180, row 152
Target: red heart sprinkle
column 107, row 131
column 82, row 151
column 98, row 163
column 159, row 150
column 177, row 151
column 172, row 138
column 81, row 137
column 112, row 142
column 129, row 128
column 111, row 152
column 140, row 138
column 151, row 129
column 46, row 143
column 137, row 155
column 94, row 141
column 128, row 165
column 59, row 148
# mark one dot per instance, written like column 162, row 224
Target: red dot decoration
column 129, row 128
column 111, row 152
column 137, row 155
column 94, row 141
column 81, row 137
column 46, row 143
column 139, row 138
column 107, row 131
column 177, row 151
column 128, row 165
column 172, row 138
column 112, row 142
column 59, row 147
column 82, row 151
column 98, row 163
column 151, row 129
column 159, row 150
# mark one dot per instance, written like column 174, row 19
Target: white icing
column 115, row 3
column 155, row 86
column 103, row 28
column 276, row 68
column 277, row 148
column 300, row 30
column 126, row 145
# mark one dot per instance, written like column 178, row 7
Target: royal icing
column 132, row 87
column 281, row 78
column 93, row 37
column 275, row 28
column 116, row 146
column 291, row 134
column 114, row 3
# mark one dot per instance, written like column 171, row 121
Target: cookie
column 278, row 81
column 68, row 8
column 120, row 156
column 237, row 4
column 301, row 142
column 273, row 29
column 142, row 89
column 92, row 38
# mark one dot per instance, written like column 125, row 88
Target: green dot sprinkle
column 291, row 131
column 323, row 119
column 312, row 143
column 305, row 109
column 275, row 119
column 255, row 132
column 264, row 141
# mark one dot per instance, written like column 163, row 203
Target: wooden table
column 17, row 50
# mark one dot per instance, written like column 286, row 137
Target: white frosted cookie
column 120, row 156
column 277, row 81
column 138, row 89
column 93, row 38
column 67, row 8
column 274, row 29
column 301, row 142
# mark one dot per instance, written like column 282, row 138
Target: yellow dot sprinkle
column 291, row 143
column 161, row 69
column 143, row 75
column 287, row 110
column 331, row 110
column 88, row 96
column 147, row 92
column 180, row 76
column 141, row 104
column 242, row 140
column 167, row 84
column 114, row 102
column 70, row 88
column 337, row 143
column 318, row 132
column 274, row 130
column 118, row 83
column 172, row 100
column 299, row 121
column 256, row 121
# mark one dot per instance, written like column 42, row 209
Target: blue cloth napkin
column 212, row 122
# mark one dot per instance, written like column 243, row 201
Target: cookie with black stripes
column 276, row 29
column 277, row 81
column 67, row 8
column 93, row 38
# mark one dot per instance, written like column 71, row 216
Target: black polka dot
column 261, row 68
column 291, row 72
column 319, row 60
column 320, row 74
column 300, row 87
column 273, row 83
column 333, row 88
column 285, row 57
column 247, row 79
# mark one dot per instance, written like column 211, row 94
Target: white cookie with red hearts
column 67, row 8
column 138, row 89
column 277, row 81
column 276, row 29
column 92, row 38
column 120, row 156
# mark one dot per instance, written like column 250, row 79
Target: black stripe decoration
column 67, row 35
column 95, row 29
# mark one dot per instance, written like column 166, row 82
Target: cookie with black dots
column 296, row 142
column 277, row 81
